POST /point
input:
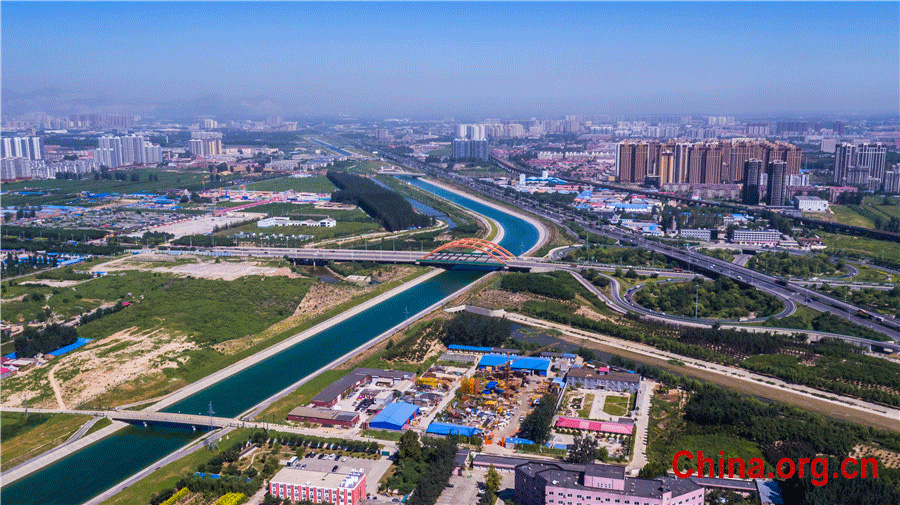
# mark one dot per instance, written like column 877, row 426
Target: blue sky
column 460, row 59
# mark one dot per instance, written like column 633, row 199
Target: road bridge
column 197, row 421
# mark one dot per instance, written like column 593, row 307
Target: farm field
column 314, row 184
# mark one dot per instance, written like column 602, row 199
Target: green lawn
column 65, row 190
column 382, row 434
column 870, row 274
column 315, row 184
column 616, row 405
column 845, row 215
column 585, row 411
column 861, row 246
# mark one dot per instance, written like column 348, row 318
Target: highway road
column 798, row 294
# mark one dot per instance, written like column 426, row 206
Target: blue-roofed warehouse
column 453, row 429
column 469, row 348
column 395, row 416
column 539, row 366
column 492, row 361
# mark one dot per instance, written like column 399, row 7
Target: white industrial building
column 270, row 222
column 810, row 204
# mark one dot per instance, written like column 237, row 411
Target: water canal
column 90, row 471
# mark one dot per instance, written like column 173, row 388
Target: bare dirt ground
column 200, row 266
column 52, row 283
column 205, row 224
column 590, row 314
column 888, row 459
column 497, row 299
column 115, row 360
column 320, row 298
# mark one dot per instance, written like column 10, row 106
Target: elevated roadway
column 798, row 294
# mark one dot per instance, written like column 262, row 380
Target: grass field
column 342, row 229
column 315, row 184
column 40, row 433
column 616, row 405
column 585, row 411
column 64, row 190
column 206, row 312
column 862, row 215
column 870, row 274
column 845, row 215
column 382, row 434
column 861, row 246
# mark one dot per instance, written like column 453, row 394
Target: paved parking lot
column 465, row 487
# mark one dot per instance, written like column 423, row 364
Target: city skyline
column 458, row 59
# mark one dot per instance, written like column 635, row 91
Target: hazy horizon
column 458, row 59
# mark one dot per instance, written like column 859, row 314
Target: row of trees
column 14, row 264
column 203, row 241
column 101, row 312
column 875, row 299
column 33, row 341
column 415, row 459
column 388, row 207
column 537, row 424
column 440, row 460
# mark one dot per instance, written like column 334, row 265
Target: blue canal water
column 520, row 235
column 95, row 468
column 333, row 148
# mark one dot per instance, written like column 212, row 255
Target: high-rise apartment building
column 752, row 170
column 860, row 165
column 666, row 167
column 872, row 157
column 710, row 162
column 776, row 184
column 843, row 161
column 205, row 144
column 892, row 181
column 115, row 152
column 30, row 148
column 758, row 130
column 462, row 149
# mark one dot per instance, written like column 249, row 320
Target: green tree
column 409, row 448
column 583, row 450
column 492, row 480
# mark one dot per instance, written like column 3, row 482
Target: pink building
column 341, row 487
column 540, row 483
column 589, row 425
